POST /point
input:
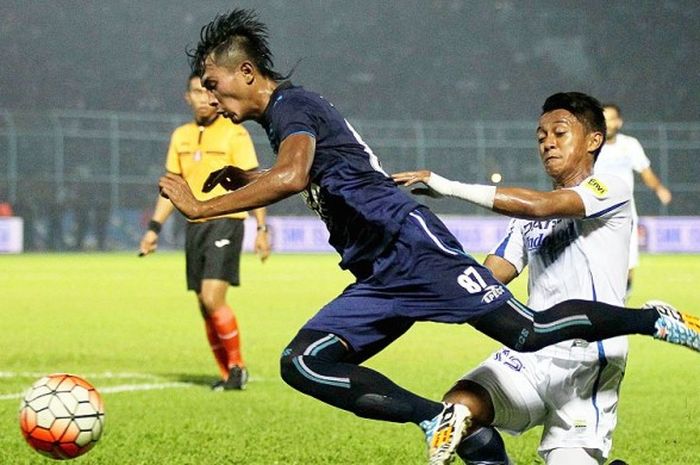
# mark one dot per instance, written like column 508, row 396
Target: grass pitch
column 132, row 329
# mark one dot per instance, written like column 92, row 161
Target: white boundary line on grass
column 108, row 375
column 118, row 388
column 103, row 375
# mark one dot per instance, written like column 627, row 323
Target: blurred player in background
column 212, row 245
column 623, row 155
column 408, row 266
column 571, row 388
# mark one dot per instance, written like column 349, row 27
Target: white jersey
column 577, row 258
column 622, row 158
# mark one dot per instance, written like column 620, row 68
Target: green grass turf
column 92, row 314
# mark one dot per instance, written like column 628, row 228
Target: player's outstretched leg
column 316, row 363
column 525, row 330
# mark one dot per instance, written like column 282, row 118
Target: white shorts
column 575, row 401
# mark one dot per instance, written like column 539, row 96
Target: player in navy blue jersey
column 408, row 266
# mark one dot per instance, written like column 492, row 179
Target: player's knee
column 293, row 373
column 289, row 364
column 309, row 347
column 209, row 302
column 287, row 369
column 460, row 394
column 475, row 397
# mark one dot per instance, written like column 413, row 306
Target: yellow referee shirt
column 195, row 151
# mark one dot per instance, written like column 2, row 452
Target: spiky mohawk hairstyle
column 239, row 31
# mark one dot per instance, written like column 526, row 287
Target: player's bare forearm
column 531, row 204
column 650, row 179
column 262, row 238
column 654, row 183
column 288, row 176
column 260, row 215
column 502, row 269
column 164, row 208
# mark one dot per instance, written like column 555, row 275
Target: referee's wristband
column 263, row 228
column 154, row 226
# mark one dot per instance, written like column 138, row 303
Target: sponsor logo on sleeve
column 597, row 187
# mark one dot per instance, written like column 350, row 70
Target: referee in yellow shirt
column 212, row 246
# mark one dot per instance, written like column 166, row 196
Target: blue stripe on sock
column 522, row 307
column 316, row 379
column 579, row 322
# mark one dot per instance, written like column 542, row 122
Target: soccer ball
column 62, row 416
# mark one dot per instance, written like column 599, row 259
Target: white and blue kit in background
column 623, row 158
column 571, row 388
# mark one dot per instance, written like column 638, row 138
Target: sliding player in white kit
column 571, row 388
column 622, row 156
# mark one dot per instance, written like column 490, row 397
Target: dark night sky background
column 408, row 59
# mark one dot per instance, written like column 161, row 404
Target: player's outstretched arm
column 531, row 204
column 654, row 183
column 511, row 201
column 289, row 175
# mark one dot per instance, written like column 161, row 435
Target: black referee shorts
column 213, row 251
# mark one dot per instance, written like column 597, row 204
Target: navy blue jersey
column 361, row 205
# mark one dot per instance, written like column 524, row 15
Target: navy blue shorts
column 424, row 275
